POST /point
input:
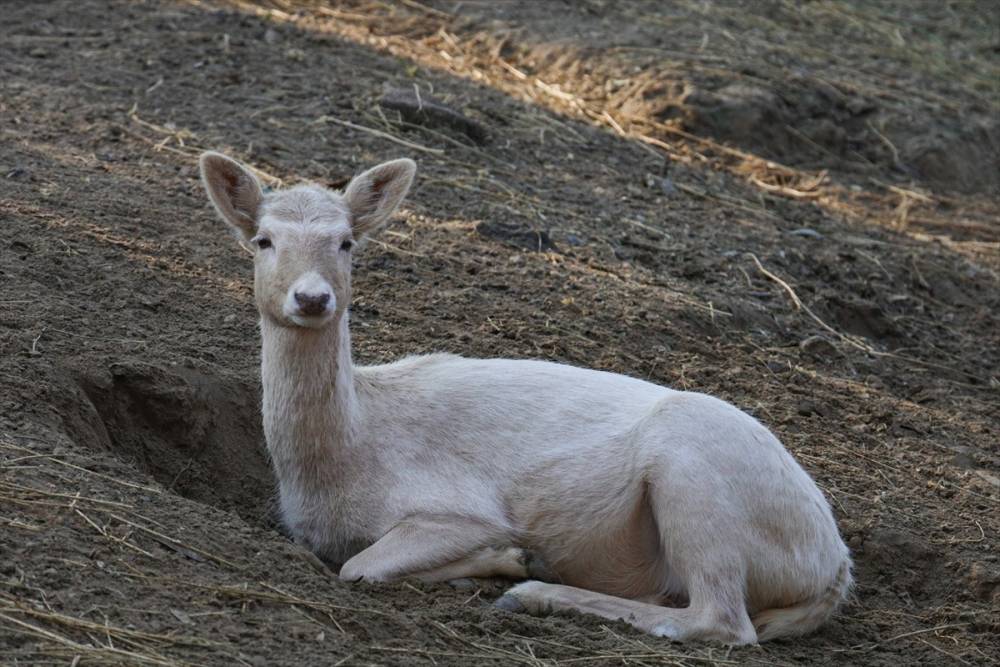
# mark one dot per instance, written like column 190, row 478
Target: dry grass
column 573, row 83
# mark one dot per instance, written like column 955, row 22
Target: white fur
column 627, row 495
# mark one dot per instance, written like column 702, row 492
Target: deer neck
column 309, row 404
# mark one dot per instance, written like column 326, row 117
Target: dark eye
column 263, row 242
column 347, row 245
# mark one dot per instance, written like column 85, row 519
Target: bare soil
column 791, row 206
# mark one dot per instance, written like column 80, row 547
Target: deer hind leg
column 702, row 562
column 715, row 621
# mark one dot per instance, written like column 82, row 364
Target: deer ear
column 373, row 196
column 234, row 191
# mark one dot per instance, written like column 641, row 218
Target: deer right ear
column 234, row 191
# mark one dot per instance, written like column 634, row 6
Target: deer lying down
column 613, row 496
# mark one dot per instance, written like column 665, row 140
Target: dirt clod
column 423, row 109
column 985, row 582
column 818, row 347
column 517, row 236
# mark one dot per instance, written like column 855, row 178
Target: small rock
column 862, row 318
column 859, row 106
column 984, row 582
column 805, row 231
column 990, row 478
column 271, row 36
column 150, row 302
column 574, row 240
column 963, row 458
column 808, row 408
column 665, row 185
column 182, row 617
column 874, row 381
column 668, row 187
column 517, row 235
column 818, row 347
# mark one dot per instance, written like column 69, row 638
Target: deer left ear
column 373, row 196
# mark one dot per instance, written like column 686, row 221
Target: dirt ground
column 792, row 206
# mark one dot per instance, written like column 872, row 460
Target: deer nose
column 312, row 304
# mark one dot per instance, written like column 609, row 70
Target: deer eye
column 347, row 245
column 262, row 242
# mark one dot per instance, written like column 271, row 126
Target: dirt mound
column 199, row 436
column 759, row 79
column 804, row 122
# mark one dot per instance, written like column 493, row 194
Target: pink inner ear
column 233, row 193
column 380, row 183
column 234, row 182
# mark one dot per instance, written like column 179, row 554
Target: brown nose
column 312, row 304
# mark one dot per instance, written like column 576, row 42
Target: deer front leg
column 443, row 547
column 487, row 563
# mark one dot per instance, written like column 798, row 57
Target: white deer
column 671, row 510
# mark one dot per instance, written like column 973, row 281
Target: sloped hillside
column 789, row 205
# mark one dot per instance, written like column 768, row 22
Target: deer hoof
column 509, row 603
